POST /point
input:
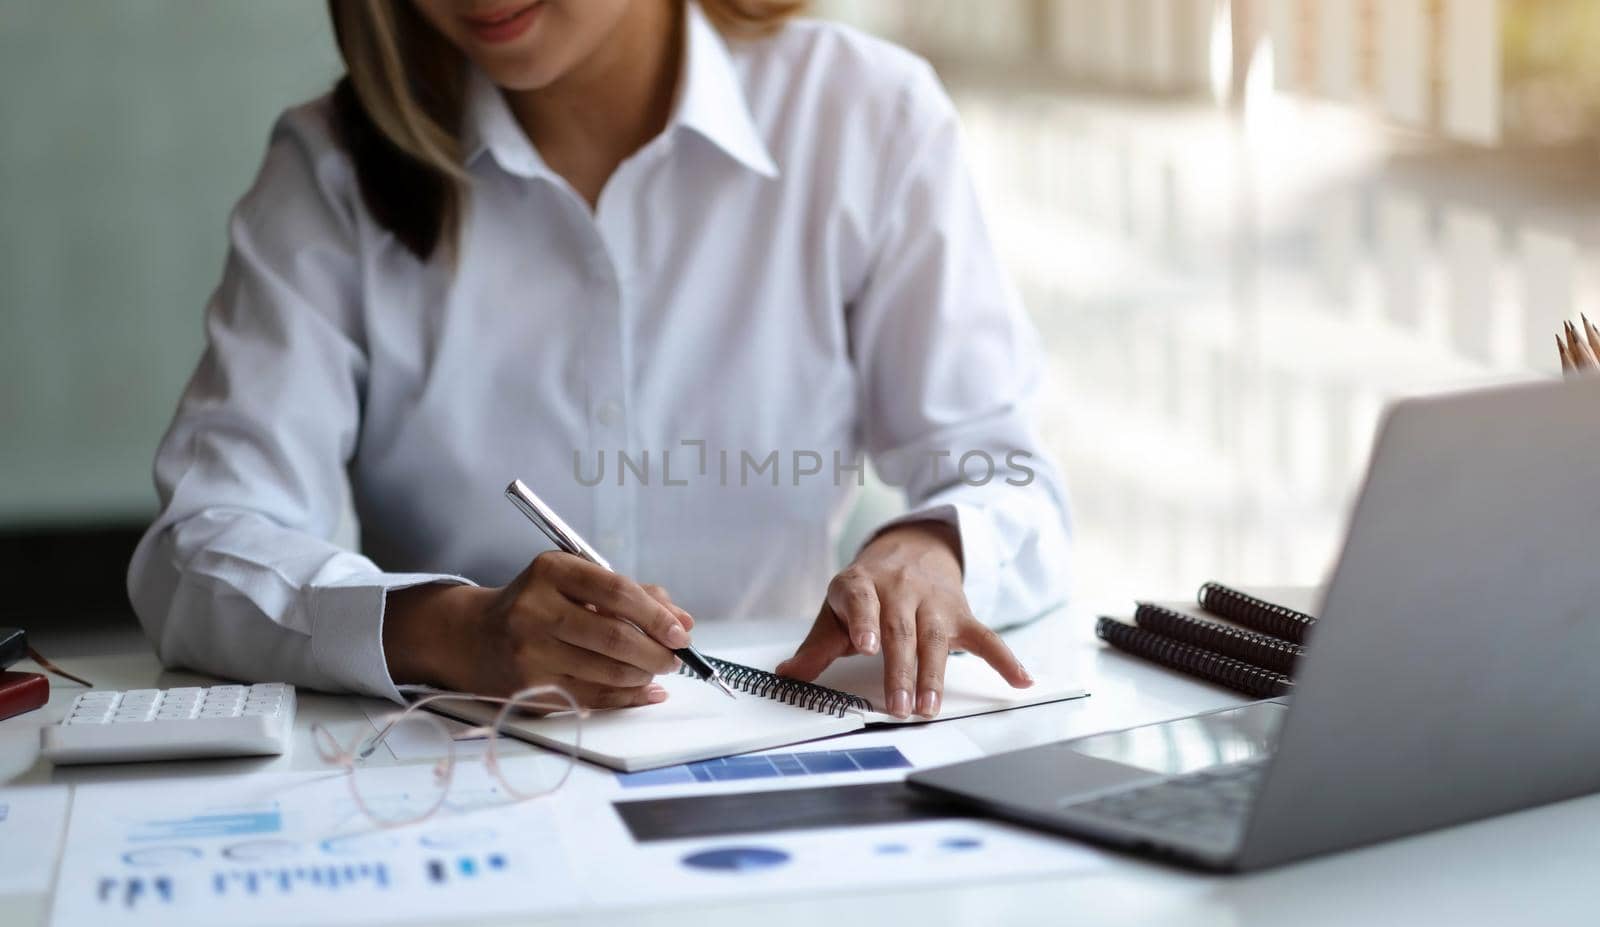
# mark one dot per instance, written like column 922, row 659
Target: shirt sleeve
column 950, row 366
column 239, row 574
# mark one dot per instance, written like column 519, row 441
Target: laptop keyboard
column 1207, row 807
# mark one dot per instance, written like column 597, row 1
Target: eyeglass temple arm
column 364, row 748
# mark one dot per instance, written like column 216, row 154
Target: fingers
column 660, row 595
column 899, row 625
column 826, row 642
column 594, row 695
column 597, row 667
column 854, row 599
column 983, row 642
column 587, row 583
column 613, row 639
column 933, row 648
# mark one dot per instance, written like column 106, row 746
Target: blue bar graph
column 226, row 824
column 769, row 766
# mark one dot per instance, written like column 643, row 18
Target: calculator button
column 98, row 695
column 261, row 712
column 141, row 694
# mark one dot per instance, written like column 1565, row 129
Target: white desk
column 1537, row 866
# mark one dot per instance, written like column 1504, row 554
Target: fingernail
column 867, row 642
column 782, row 668
column 655, row 695
column 928, row 703
column 900, row 703
column 677, row 636
column 1027, row 677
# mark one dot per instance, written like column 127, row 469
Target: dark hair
column 403, row 195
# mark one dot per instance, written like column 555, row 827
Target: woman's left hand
column 903, row 590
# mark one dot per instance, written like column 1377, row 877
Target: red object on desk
column 21, row 693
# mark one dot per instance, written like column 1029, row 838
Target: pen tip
column 724, row 687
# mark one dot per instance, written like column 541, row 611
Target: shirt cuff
column 347, row 628
column 980, row 552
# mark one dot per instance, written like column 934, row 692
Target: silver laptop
column 1455, row 672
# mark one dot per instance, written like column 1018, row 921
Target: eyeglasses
column 393, row 796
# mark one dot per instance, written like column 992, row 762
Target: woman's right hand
column 564, row 621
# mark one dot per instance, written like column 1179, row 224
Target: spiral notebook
column 1253, row 647
column 1255, row 653
column 1196, row 661
column 697, row 722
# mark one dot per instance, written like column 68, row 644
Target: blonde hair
column 399, row 109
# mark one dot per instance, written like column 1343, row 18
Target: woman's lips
column 504, row 25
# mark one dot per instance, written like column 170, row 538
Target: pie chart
column 736, row 859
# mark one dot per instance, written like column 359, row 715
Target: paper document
column 868, row 757
column 32, row 819
column 283, row 849
column 794, row 821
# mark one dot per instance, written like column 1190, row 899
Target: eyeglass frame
column 348, row 758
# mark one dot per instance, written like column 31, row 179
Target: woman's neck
column 594, row 117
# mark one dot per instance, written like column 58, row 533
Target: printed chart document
column 831, row 815
column 294, row 848
column 32, row 819
column 288, row 848
column 697, row 722
column 870, row 756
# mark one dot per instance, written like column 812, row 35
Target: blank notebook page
column 696, row 721
column 971, row 686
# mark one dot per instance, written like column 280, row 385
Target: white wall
column 127, row 131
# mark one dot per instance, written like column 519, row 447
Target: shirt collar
column 710, row 102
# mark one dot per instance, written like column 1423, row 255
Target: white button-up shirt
column 794, row 274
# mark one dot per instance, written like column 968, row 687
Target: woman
column 677, row 267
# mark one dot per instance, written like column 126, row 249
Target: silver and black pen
column 566, row 539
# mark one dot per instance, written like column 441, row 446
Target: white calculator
column 173, row 724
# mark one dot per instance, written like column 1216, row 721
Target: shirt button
column 610, row 412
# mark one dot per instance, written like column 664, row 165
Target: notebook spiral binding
column 1262, row 650
column 1226, row 671
column 807, row 695
column 1256, row 613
